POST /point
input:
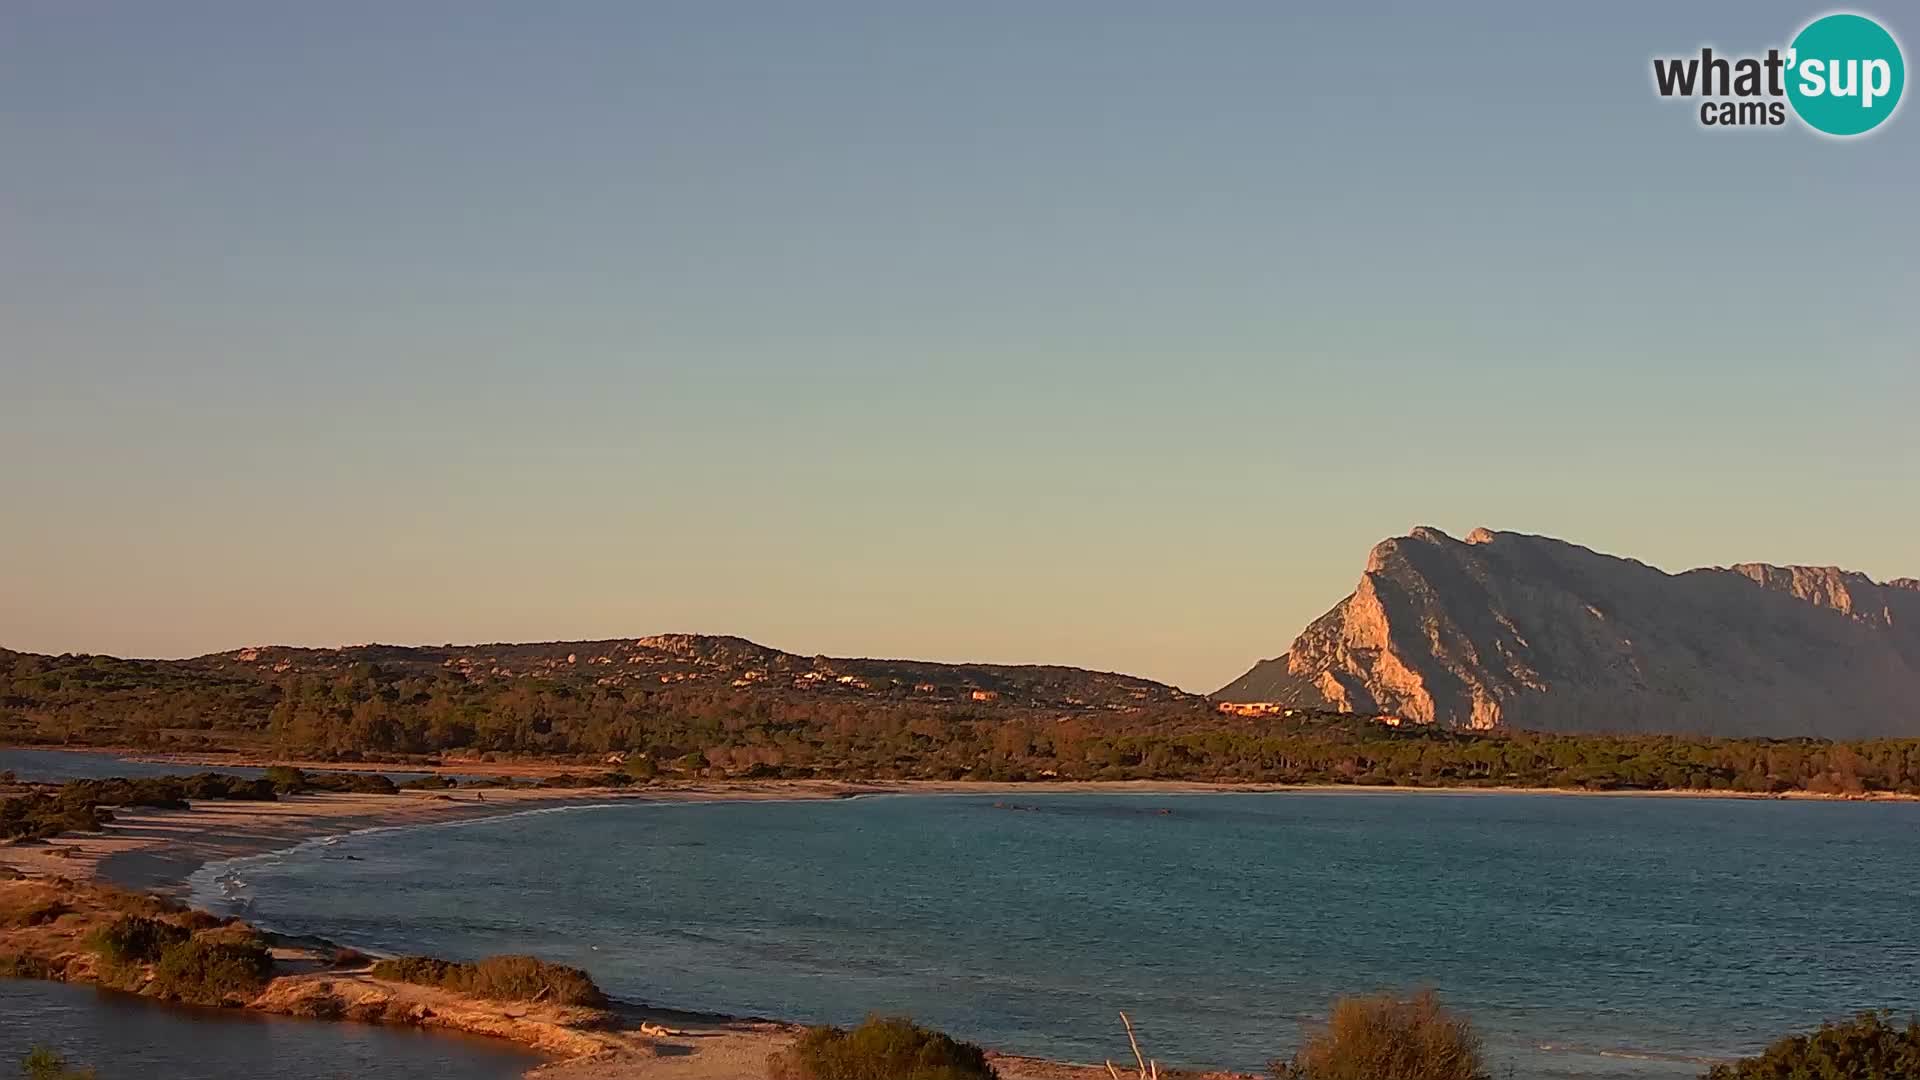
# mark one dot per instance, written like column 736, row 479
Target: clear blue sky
column 1109, row 333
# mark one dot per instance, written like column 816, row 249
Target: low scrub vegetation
column 134, row 939
column 883, row 1048
column 208, row 970
column 20, row 964
column 85, row 805
column 31, row 904
column 497, row 978
column 41, row 817
column 1868, row 1047
column 288, row 780
column 1382, row 1037
column 224, row 964
column 45, row 1063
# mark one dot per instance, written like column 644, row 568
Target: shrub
column 30, row 904
column 203, row 971
column 286, row 779
column 1385, row 1038
column 42, row 817
column 135, row 939
column 42, row 1063
column 25, row 965
column 422, row 970
column 209, row 785
column 498, row 978
column 196, row 920
column 883, row 1048
column 428, row 783
column 1868, row 1047
column 347, row 957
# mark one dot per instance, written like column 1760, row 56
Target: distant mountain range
column 1501, row 630
column 1510, row 630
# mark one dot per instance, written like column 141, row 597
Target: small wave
column 1625, row 1053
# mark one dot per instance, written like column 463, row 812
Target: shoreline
column 672, row 788
column 161, row 851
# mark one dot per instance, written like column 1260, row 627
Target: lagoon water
column 1588, row 937
column 121, row 1035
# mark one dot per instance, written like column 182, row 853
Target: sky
column 1110, row 334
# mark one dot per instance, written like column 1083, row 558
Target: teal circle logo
column 1845, row 74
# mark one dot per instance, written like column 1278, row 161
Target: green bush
column 497, row 978
column 43, row 1063
column 42, row 817
column 883, row 1048
column 205, row 971
column 1386, row 1038
column 1868, row 1047
column 135, row 939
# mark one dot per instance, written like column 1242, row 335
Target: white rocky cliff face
column 1507, row 629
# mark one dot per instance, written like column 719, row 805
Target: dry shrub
column 134, row 939
column 347, row 957
column 20, row 964
column 234, row 932
column 883, row 1048
column 30, row 905
column 497, row 978
column 1870, row 1046
column 1383, row 1037
column 197, row 920
column 129, row 902
column 202, row 971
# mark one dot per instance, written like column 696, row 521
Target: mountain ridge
column 717, row 660
column 1505, row 629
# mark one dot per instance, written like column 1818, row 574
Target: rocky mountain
column 1510, row 630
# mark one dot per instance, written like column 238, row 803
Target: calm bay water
column 123, row 1036
column 1588, row 937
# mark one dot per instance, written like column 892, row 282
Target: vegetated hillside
column 1510, row 630
column 554, row 697
column 687, row 707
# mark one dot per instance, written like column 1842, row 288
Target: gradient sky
column 1111, row 334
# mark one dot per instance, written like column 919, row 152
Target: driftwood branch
column 1149, row 1070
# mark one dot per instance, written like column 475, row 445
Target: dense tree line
column 366, row 712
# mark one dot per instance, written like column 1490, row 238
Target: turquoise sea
column 1588, row 937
